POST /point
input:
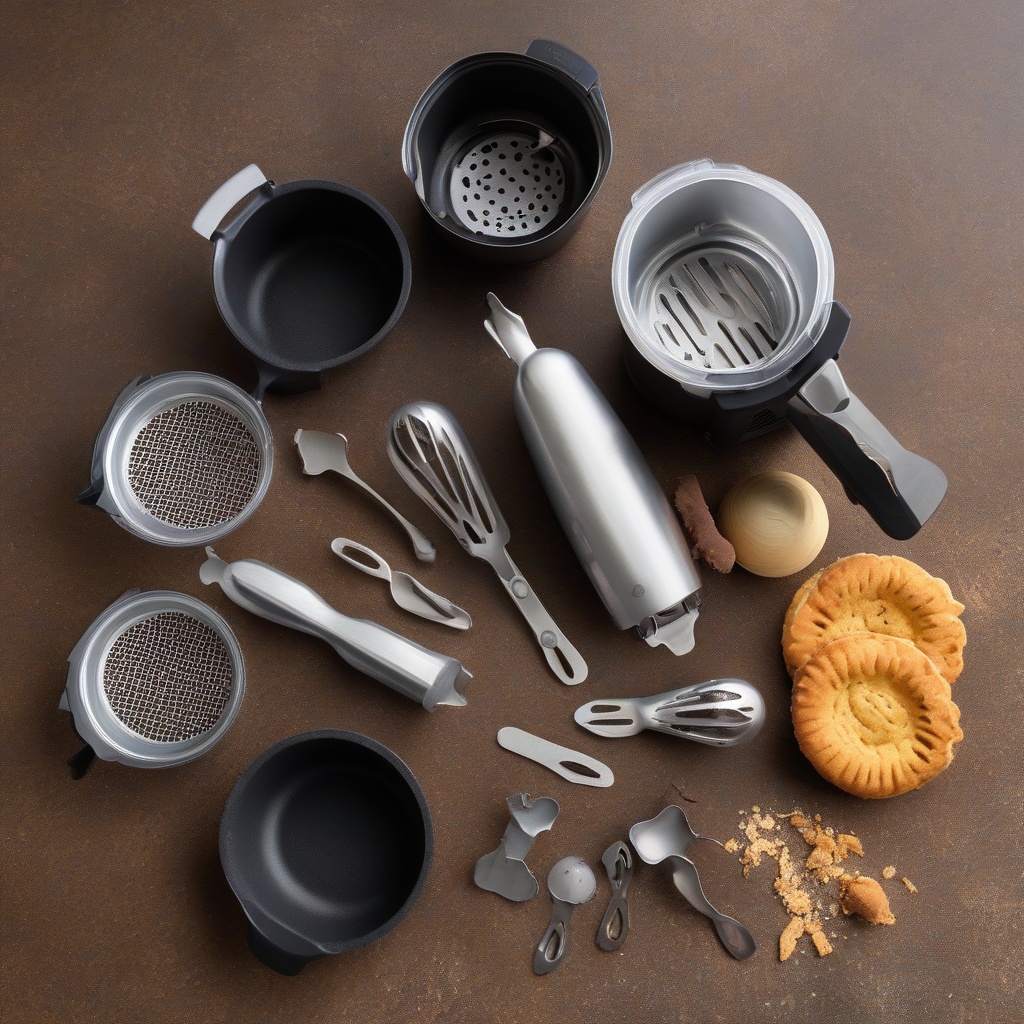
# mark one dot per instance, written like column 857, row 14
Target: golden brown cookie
column 873, row 715
column 882, row 594
column 796, row 604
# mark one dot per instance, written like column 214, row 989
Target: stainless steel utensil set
column 665, row 838
column 722, row 279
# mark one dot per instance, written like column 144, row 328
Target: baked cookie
column 882, row 594
column 796, row 604
column 873, row 715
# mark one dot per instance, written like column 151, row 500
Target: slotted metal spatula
column 434, row 457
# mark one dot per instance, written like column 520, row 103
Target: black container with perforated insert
column 508, row 150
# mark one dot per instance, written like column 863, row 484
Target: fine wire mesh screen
column 195, row 465
column 169, row 677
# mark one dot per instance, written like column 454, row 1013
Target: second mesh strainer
column 155, row 681
column 182, row 459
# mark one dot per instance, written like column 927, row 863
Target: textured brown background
column 901, row 124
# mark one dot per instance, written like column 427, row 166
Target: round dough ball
column 776, row 521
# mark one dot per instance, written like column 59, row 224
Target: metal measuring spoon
column 407, row 591
column 570, row 883
column 667, row 837
column 322, row 452
column 618, row 862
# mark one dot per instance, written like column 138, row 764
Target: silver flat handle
column 425, row 676
column 564, row 660
column 229, row 195
column 898, row 489
column 572, row 765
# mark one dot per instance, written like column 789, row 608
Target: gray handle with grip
column 228, row 196
column 898, row 489
column 422, row 675
column 554, row 944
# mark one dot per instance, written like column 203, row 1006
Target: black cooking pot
column 508, row 150
column 326, row 841
column 308, row 275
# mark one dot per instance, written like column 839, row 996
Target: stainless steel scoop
column 570, row 882
column 719, row 712
column 434, row 457
column 407, row 591
column 667, row 837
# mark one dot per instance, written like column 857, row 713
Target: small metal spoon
column 407, row 591
column 735, row 937
column 667, row 837
column 570, row 883
column 614, row 927
column 322, row 452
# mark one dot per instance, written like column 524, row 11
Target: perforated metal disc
column 505, row 185
column 194, row 465
column 719, row 307
column 168, row 677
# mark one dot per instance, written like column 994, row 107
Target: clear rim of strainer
column 644, row 200
column 85, row 698
column 130, row 416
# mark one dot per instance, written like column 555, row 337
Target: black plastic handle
column 898, row 489
column 276, row 958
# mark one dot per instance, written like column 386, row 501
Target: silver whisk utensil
column 719, row 712
column 434, row 457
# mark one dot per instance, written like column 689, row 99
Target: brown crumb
column 911, row 888
column 889, row 872
column 731, row 845
column 819, row 938
column 763, row 836
column 787, row 940
column 706, row 542
column 864, row 897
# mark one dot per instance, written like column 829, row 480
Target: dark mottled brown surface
column 901, row 124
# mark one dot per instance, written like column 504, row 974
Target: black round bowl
column 309, row 275
column 326, row 841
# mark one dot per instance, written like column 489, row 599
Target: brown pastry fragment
column 707, row 544
column 787, row 940
column 864, row 897
column 818, row 937
column 889, row 872
column 911, row 888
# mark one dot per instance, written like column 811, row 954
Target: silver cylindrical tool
column 604, row 493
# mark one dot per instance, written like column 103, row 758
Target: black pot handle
column 565, row 60
column 272, row 955
column 283, row 382
column 898, row 489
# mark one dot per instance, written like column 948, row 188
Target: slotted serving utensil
column 614, row 927
column 408, row 592
column 719, row 712
column 433, row 455
column 570, row 882
column 155, row 681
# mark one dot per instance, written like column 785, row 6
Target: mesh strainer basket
column 183, row 459
column 155, row 681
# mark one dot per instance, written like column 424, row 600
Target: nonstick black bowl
column 308, row 275
column 326, row 841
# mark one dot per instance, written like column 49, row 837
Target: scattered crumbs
column 911, row 888
column 889, row 872
column 800, row 869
